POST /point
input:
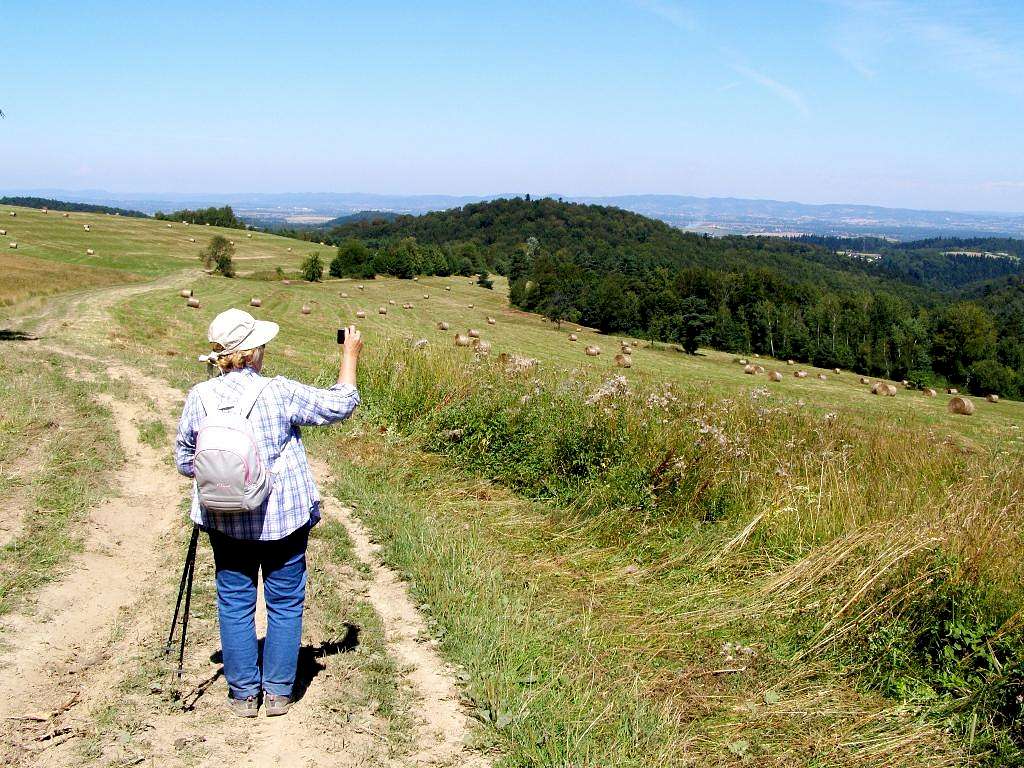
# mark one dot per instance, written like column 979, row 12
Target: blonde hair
column 234, row 361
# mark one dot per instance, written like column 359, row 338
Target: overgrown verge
column 57, row 443
column 889, row 552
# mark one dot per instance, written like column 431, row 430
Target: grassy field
column 687, row 566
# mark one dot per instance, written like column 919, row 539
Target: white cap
column 236, row 330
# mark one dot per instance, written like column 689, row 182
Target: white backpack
column 230, row 476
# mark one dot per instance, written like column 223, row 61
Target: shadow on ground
column 6, row 334
column 308, row 668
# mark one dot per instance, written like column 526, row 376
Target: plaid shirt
column 283, row 406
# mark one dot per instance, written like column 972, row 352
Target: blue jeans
column 238, row 563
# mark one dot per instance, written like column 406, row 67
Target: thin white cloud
column 970, row 38
column 783, row 91
column 677, row 14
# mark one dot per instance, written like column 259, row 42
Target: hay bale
column 742, row 361
column 961, row 406
column 883, row 388
column 757, row 355
column 573, row 337
column 801, row 374
column 194, row 303
column 790, row 362
column 14, row 213
column 442, row 326
column 360, row 314
column 623, row 361
column 344, row 295
column 12, row 244
column 289, row 247
column 255, row 302
column 758, row 369
column 469, row 306
column 775, row 376
column 46, row 210
column 286, row 282
column 306, row 309
column 86, row 227
column 626, row 349
column 90, row 252
column 905, row 383
column 191, row 239
column 749, row 369
column 426, row 295
column 929, row 392
column 992, row 398
column 407, row 305
column 474, row 333
column 3, row 232
column 865, row 380
column 66, row 215
column 836, row 371
column 185, row 293
column 414, row 279
column 360, row 287
column 491, row 321
column 483, row 346
column 461, row 340
column 447, row 287
column 822, row 377
column 392, row 302
column 249, row 234
column 419, row 344
column 592, row 350
column 382, row 310
column 952, row 391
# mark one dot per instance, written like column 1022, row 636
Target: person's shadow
column 308, row 668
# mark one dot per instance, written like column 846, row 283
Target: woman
column 273, row 537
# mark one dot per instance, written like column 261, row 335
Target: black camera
column 341, row 335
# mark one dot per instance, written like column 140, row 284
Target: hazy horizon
column 893, row 103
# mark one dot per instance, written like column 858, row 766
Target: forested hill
column 898, row 317
column 63, row 205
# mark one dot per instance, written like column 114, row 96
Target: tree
column 992, row 377
column 964, row 335
column 218, row 256
column 313, row 268
column 353, row 260
column 484, row 281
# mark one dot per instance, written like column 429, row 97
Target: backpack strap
column 247, row 401
column 208, row 399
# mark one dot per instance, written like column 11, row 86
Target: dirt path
column 81, row 674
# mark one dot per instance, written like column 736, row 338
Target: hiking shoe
column 248, row 707
column 276, row 705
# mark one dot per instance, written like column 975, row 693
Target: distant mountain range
column 714, row 215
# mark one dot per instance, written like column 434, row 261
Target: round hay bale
column 483, row 346
column 289, row 249
column 929, row 392
column 749, row 369
column 961, row 406
column 191, row 239
column 992, row 398
column 626, row 349
column 469, row 306
column 12, row 244
column 623, row 361
column 801, row 374
column 791, row 362
column 86, row 227
column 382, row 310
column 90, row 252
column 344, row 295
column 419, row 344
column 407, row 305
column 360, row 287
column 254, row 302
column 822, row 377
column 573, row 337
column 286, row 282
column 742, row 361
column 442, row 326
column 952, row 391
column 836, row 371
column 474, row 333
column 592, row 350
column 185, row 293
column 360, row 314
column 426, row 295
column 865, row 380
column 883, row 388
column 3, row 232
column 905, row 383
column 775, row 376
column 168, row 225
column 249, row 234
column 461, row 340
column 306, row 309
column 231, row 242
column 758, row 369
column 391, row 302
column 66, row 215
column 447, row 287
column 491, row 321
column 194, row 303
column 14, row 213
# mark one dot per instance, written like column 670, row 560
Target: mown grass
column 57, row 447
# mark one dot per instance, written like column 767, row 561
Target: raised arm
column 310, row 406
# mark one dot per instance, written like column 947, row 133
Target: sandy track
column 64, row 662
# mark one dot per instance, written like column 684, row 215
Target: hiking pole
column 186, row 582
column 188, row 601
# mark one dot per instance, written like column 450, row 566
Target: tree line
column 215, row 217
column 626, row 274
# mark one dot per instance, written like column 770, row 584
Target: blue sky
column 891, row 102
